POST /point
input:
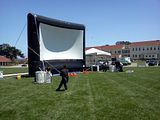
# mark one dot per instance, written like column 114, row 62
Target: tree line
column 10, row 52
column 123, row 43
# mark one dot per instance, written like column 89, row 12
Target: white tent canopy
column 96, row 51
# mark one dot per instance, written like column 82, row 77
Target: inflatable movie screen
column 53, row 43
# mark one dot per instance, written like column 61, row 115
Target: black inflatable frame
column 34, row 62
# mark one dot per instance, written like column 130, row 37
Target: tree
column 10, row 51
column 123, row 43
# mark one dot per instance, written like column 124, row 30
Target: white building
column 136, row 50
column 145, row 50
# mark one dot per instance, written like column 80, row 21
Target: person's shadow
column 60, row 90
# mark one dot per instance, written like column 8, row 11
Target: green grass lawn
column 95, row 96
column 14, row 70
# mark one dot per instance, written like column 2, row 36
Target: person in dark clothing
column 105, row 67
column 65, row 78
column 119, row 66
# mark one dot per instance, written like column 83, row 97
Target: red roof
column 146, row 43
column 4, row 59
column 114, row 47
column 110, row 47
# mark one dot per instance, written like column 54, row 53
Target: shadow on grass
column 26, row 76
column 60, row 90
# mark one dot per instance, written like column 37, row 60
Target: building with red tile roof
column 4, row 61
column 145, row 50
column 135, row 50
column 115, row 50
column 146, row 43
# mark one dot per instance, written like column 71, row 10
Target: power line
column 20, row 34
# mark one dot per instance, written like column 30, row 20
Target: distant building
column 145, row 50
column 136, row 50
column 4, row 61
column 117, row 51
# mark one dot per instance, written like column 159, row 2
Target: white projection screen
column 60, row 43
column 54, row 43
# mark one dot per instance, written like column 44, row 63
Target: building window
column 135, row 55
column 153, row 56
column 133, row 49
column 119, row 52
column 139, row 49
column 150, row 48
column 154, row 48
column 147, row 48
column 143, row 49
column 149, row 55
column 115, row 52
column 125, row 51
column 136, row 49
column 146, row 56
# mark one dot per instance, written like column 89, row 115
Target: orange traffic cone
column 75, row 74
column 71, row 74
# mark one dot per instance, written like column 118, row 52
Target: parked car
column 158, row 63
column 125, row 60
column 24, row 65
column 152, row 62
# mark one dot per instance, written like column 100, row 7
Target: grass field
column 95, row 96
column 14, row 70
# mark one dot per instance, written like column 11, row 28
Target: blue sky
column 106, row 21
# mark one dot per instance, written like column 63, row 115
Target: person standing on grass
column 65, row 78
column 104, row 67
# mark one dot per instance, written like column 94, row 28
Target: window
column 125, row 51
column 143, row 49
column 154, row 48
column 153, row 56
column 147, row 48
column 133, row 49
column 136, row 49
column 139, row 49
column 150, row 48
column 119, row 52
column 115, row 52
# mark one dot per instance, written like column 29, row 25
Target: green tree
column 10, row 52
column 123, row 43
